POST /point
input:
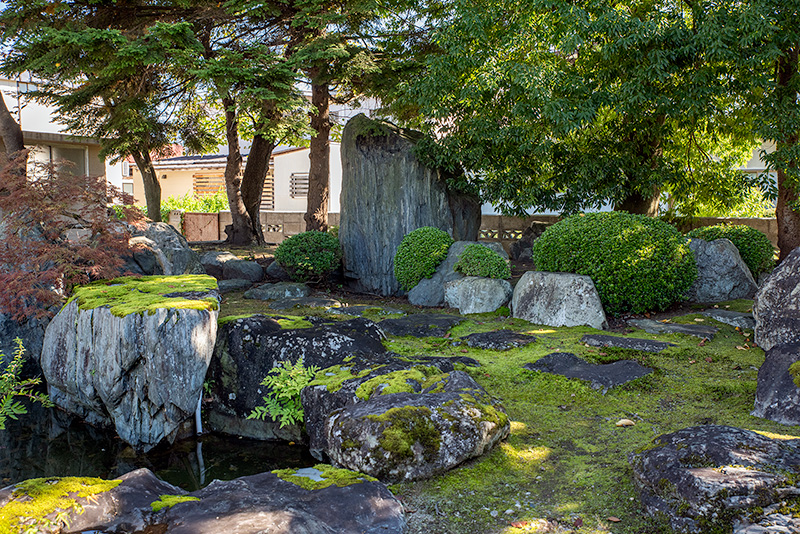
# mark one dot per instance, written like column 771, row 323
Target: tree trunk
column 253, row 181
column 788, row 186
column 10, row 131
column 152, row 187
column 319, row 174
column 639, row 204
column 240, row 231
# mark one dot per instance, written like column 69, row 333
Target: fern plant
column 282, row 403
column 12, row 387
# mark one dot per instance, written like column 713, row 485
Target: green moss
column 331, row 476
column 293, row 323
column 124, row 296
column 400, row 381
column 231, row 318
column 333, row 377
column 794, row 370
column 36, row 498
column 406, row 427
column 169, row 501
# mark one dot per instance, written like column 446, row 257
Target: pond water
column 45, row 443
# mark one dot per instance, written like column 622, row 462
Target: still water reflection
column 44, row 443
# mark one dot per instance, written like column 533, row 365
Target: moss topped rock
column 322, row 476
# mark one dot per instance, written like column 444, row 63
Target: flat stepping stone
column 277, row 291
column 498, row 340
column 603, row 376
column 359, row 310
column 745, row 321
column 646, row 345
column 420, row 325
column 306, row 302
column 236, row 284
column 656, row 327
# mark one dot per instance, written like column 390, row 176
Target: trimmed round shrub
column 637, row 263
column 418, row 255
column 309, row 256
column 477, row 260
column 754, row 247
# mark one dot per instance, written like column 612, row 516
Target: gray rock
column 657, row 327
column 721, row 273
column 279, row 290
column 359, row 310
column 420, row 325
column 236, row 284
column 521, row 249
column 31, row 332
column 474, row 294
column 777, row 305
column 745, row 321
column 429, row 292
column 169, row 252
column 498, row 340
column 141, row 373
column 249, row 270
column 386, row 193
column 646, row 345
column 777, row 396
column 248, row 348
column 603, row 376
column 214, row 262
column 558, row 299
column 697, row 476
column 274, row 270
column 437, row 420
column 304, row 302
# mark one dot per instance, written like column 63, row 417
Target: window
column 127, row 187
column 298, row 185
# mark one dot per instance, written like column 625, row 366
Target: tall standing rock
column 777, row 305
column 386, row 193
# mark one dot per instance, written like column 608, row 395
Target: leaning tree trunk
column 152, row 188
column 240, row 231
column 319, row 174
column 788, row 186
column 10, row 133
column 253, row 181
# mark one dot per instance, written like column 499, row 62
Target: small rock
column 646, row 345
column 249, row 270
column 625, row 422
column 236, row 284
column 304, row 302
column 280, row 290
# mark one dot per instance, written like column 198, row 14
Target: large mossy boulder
column 132, row 353
column 386, row 193
column 777, row 305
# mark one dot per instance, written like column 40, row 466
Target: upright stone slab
column 777, row 394
column 133, row 354
column 162, row 250
column 386, row 193
column 777, row 305
column 721, row 273
column 558, row 299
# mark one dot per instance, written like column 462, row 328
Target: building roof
column 211, row 160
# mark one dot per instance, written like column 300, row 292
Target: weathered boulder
column 777, row 305
column 777, row 393
column 420, row 325
column 400, row 420
column 558, row 299
column 430, row 291
column 386, row 193
column 702, row 477
column 214, row 262
column 248, row 348
column 31, row 332
column 304, row 302
column 274, row 270
column 314, row 500
column 474, row 294
column 498, row 340
column 235, row 284
column 162, row 250
column 133, row 353
column 603, row 376
column 521, row 249
column 249, row 270
column 657, row 327
column 721, row 273
column 280, row 290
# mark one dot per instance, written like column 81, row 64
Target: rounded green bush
column 309, row 256
column 754, row 247
column 637, row 263
column 418, row 255
column 477, row 260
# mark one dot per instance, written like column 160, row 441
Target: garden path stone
column 697, row 474
column 279, row 290
column 498, row 340
column 214, row 262
column 745, row 321
column 242, row 269
column 603, row 376
column 558, row 299
column 721, row 273
column 420, row 325
column 304, row 302
column 657, row 327
column 646, row 345
column 236, row 284
column 777, row 396
column 359, row 310
column 777, row 305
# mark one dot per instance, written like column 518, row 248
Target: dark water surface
column 44, row 443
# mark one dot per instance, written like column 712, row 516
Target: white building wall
column 298, row 162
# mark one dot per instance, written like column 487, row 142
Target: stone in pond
column 657, row 327
column 304, row 302
column 280, row 290
column 603, row 376
column 745, row 321
column 420, row 325
column 646, row 345
column 498, row 340
column 699, row 475
column 777, row 394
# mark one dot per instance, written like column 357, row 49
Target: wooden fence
column 278, row 226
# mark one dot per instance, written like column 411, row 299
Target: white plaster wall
column 297, row 161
